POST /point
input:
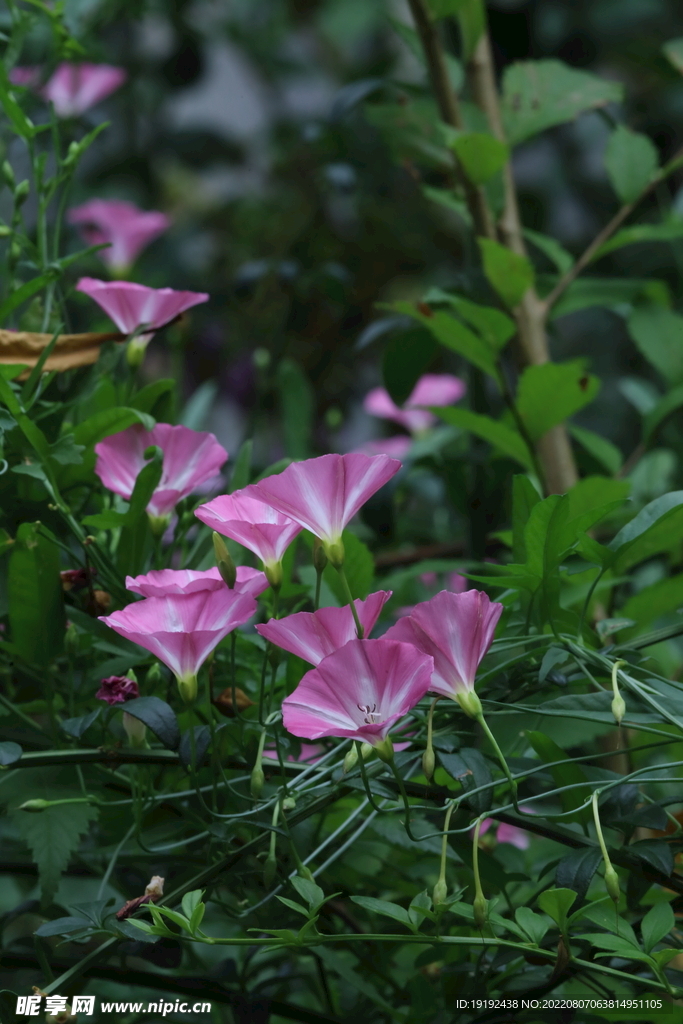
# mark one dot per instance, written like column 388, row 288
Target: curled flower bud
column 257, row 781
column 117, row 690
column 612, row 883
column 618, row 708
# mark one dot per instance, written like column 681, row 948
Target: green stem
column 349, row 599
column 364, row 777
column 503, row 763
column 404, row 796
column 318, row 581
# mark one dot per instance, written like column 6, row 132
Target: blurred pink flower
column 324, row 494
column 314, row 635
column 189, row 458
column 183, row 629
column 396, row 447
column 360, row 691
column 117, row 690
column 160, row 582
column 122, row 225
column 431, row 389
column 132, row 306
column 244, row 517
column 309, row 752
column 456, row 630
column 511, row 834
column 73, row 88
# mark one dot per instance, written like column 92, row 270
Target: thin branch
column 449, row 109
column 609, row 229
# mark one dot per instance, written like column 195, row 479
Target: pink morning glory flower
column 117, row 690
column 73, row 88
column 126, row 229
column 190, row 457
column 511, row 834
column 360, row 691
column 160, row 582
column 134, row 306
column 324, row 494
column 245, row 518
column 431, row 389
column 457, row 631
column 314, row 635
column 183, row 629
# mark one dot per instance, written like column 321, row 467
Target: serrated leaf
column 52, row 836
column 509, row 274
column 540, row 94
column 631, row 160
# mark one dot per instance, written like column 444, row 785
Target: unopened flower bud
column 34, row 805
column 8, row 173
column 135, row 350
column 428, row 763
column 319, row 556
column 257, row 781
column 226, row 566
column 269, row 869
column 154, row 676
column 480, row 908
column 188, row 689
column 273, row 573
column 618, row 708
column 21, row 192
column 135, row 730
column 366, row 750
column 351, row 759
column 289, row 803
column 612, row 883
column 305, row 872
column 335, row 553
column 385, row 750
column 5, row 231
column 440, row 892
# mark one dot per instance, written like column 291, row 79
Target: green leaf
column 656, row 528
column 639, row 234
column 22, row 125
column 656, row 925
column 658, row 335
column 407, row 355
column 660, row 598
column 9, row 752
column 551, row 248
column 509, row 274
column 384, row 908
column 668, row 405
column 503, row 438
column 62, row 926
column 471, row 769
column 631, row 160
column 412, row 131
column 471, row 17
column 52, row 836
column 75, row 727
column 654, row 852
column 242, row 468
column 480, row 155
column 36, row 603
column 135, row 535
column 157, row 716
column 445, row 198
column 544, row 537
column 491, row 324
column 191, row 901
column 453, row 334
column 156, row 399
column 533, row 924
column 24, row 293
column 308, row 890
column 540, row 94
column 359, row 568
column 109, row 421
column 552, row 392
column 673, row 50
column 524, row 498
column 557, row 903
column 602, row 450
column 293, row 905
column 576, row 869
column 564, row 774
column 610, row 292
column 421, row 907
column 297, row 404
column 66, row 452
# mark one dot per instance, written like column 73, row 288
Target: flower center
column 370, row 713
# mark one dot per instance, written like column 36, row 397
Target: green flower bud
column 385, row 750
column 305, row 872
column 612, row 883
column 351, row 759
column 335, row 553
column 226, row 566
column 618, row 708
column 289, row 803
column 135, row 350
column 257, row 781
column 469, row 702
column 428, row 762
column 188, row 689
column 319, row 555
column 440, row 892
column 34, row 805
column 21, row 192
column 274, row 574
column 481, row 911
column 154, row 676
column 8, row 173
column 136, row 731
column 366, row 750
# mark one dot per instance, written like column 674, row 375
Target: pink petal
column 183, row 629
column 396, row 447
column 132, row 306
column 309, row 752
column 513, row 835
column 160, row 582
column 190, row 457
column 324, row 494
column 122, row 225
column 314, row 635
column 431, row 389
column 359, row 691
column 456, row 630
column 249, row 521
column 74, row 88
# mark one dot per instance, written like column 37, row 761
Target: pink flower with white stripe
column 126, row 229
column 190, row 457
column 431, row 389
column 314, row 635
column 136, row 309
column 324, row 494
column 73, row 88
column 359, row 691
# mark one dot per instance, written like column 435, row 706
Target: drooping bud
column 440, row 892
column 612, row 883
column 428, row 762
column 226, row 566
column 480, row 908
column 21, row 192
column 269, row 869
column 319, row 556
column 257, row 781
column 188, row 689
column 618, row 708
